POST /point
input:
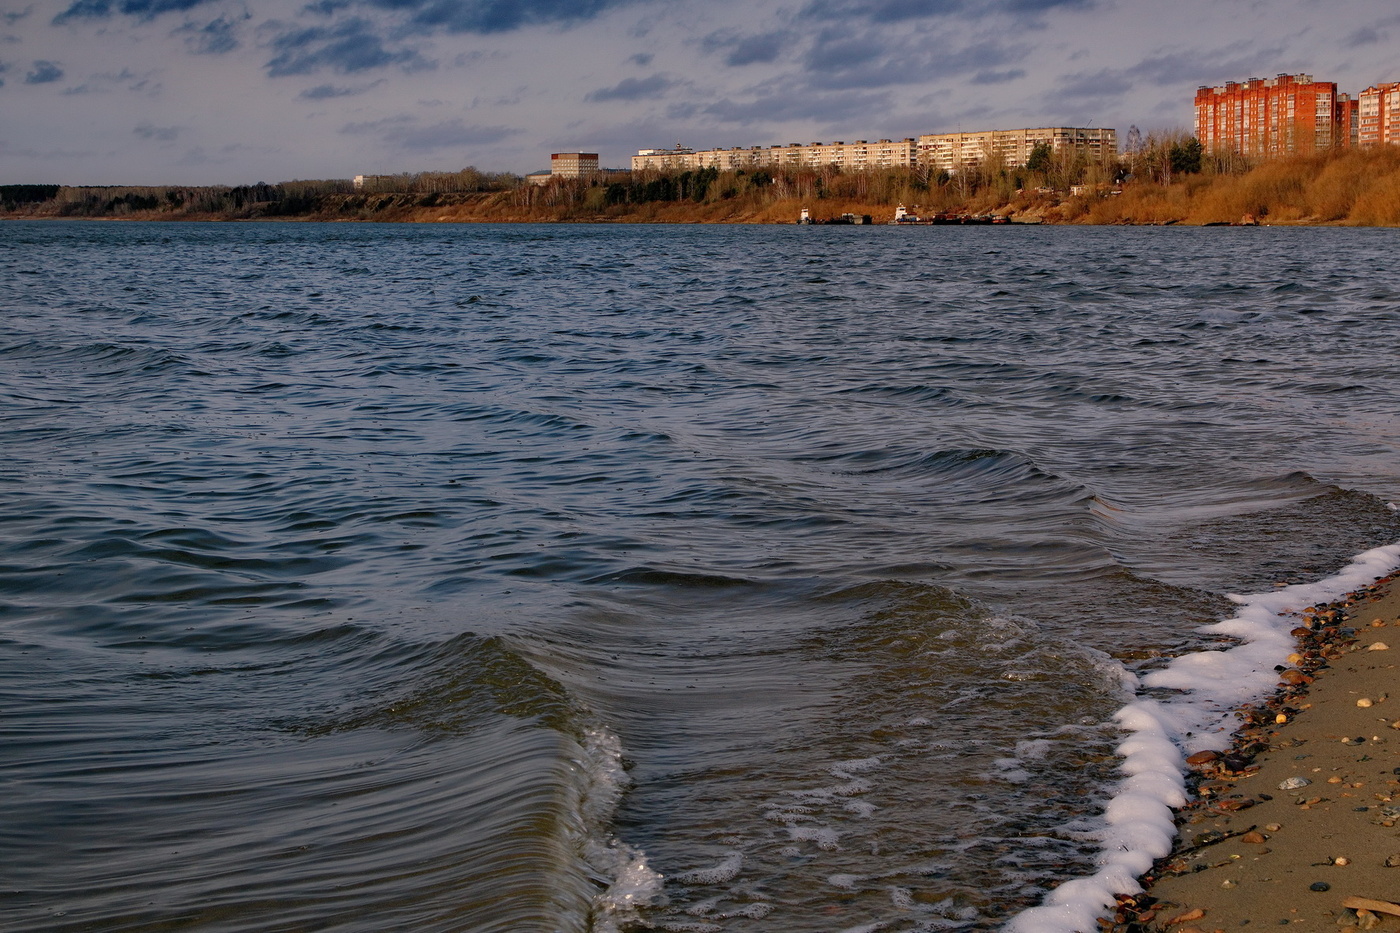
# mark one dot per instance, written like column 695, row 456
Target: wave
column 1181, row 709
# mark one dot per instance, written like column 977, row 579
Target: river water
column 571, row 578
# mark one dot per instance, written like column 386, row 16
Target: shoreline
column 1296, row 822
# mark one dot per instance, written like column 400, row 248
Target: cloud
column 840, row 60
column 747, row 50
column 213, row 38
column 454, row 133
column 163, row 134
column 488, row 16
column 44, row 72
column 883, row 12
column 348, row 47
column 633, row 89
column 641, row 59
column 1103, row 83
column 329, row 91
column 140, row 9
column 1187, row 69
column 998, row 77
column 782, row 105
column 402, row 132
column 16, row 15
column 143, row 82
column 1373, row 34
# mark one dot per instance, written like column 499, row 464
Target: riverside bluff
column 1345, row 187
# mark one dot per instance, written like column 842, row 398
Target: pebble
column 1193, row 914
column 1273, row 827
column 1319, row 886
column 1378, row 646
column 1340, row 860
column 1253, row 838
column 1363, row 703
column 1393, row 861
column 1294, row 783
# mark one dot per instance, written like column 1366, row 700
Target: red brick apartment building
column 1379, row 116
column 1265, row 118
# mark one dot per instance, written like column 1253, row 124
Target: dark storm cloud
column 44, row 72
column 743, row 50
column 347, row 47
column 641, row 59
column 633, row 89
column 16, row 15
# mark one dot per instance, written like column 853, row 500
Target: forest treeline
column 1163, row 179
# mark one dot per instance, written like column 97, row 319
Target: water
column 549, row 578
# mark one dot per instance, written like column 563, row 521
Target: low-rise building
column 572, row 164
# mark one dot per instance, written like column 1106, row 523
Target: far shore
column 1346, row 187
column 1298, row 824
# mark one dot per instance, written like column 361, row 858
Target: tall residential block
column 1265, row 118
column 953, row 152
column 1378, row 115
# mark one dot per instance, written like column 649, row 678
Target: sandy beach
column 1297, row 823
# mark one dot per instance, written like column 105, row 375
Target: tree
column 1040, row 158
column 1186, row 157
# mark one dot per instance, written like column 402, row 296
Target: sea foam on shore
column 1181, row 709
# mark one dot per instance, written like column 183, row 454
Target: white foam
column 825, row 837
column 631, row 883
column 727, row 870
column 1137, row 825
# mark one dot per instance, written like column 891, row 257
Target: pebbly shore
column 1298, row 823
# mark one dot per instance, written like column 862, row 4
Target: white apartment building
column 855, row 156
column 953, row 152
column 948, row 151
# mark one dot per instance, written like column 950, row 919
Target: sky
column 148, row 92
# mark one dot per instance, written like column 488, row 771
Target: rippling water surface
column 531, row 578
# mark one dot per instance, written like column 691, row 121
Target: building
column 953, row 152
column 855, row 156
column 948, row 151
column 1286, row 115
column 572, row 164
column 1378, row 116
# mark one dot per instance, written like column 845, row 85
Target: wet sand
column 1260, row 849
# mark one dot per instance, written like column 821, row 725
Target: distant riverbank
column 1354, row 188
